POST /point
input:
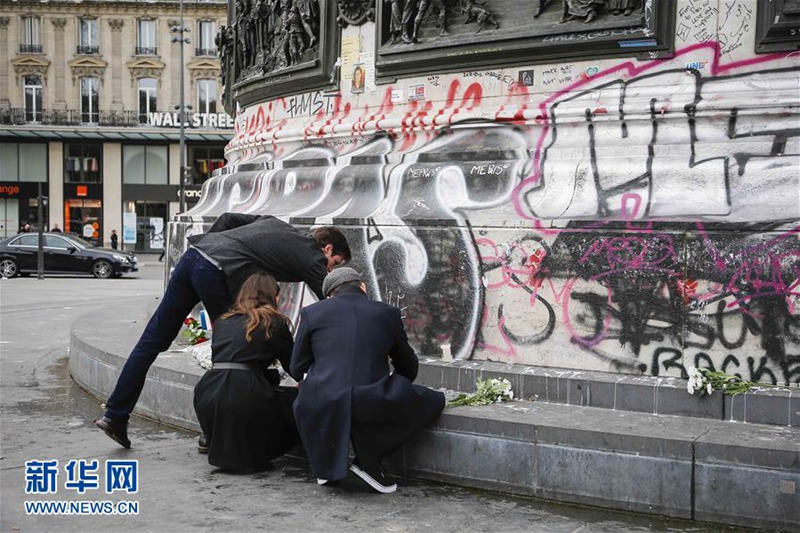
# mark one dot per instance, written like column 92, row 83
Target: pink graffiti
column 507, row 270
column 625, row 253
column 628, row 69
column 636, row 202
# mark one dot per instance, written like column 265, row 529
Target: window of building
column 9, row 217
column 84, row 217
column 146, row 37
column 31, row 36
column 90, row 100
column 206, row 96
column 83, row 163
column 23, row 162
column 204, row 160
column 87, row 36
column 144, row 164
column 147, row 98
column 151, row 218
column 206, row 31
column 32, row 92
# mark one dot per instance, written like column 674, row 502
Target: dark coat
column 244, row 244
column 248, row 419
column 348, row 393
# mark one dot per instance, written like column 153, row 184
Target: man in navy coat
column 347, row 393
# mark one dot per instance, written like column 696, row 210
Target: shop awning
column 106, row 134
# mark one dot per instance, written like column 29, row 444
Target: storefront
column 83, row 211
column 128, row 184
column 145, row 211
column 23, row 168
column 19, row 206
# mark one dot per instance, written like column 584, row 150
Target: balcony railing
column 88, row 50
column 30, row 48
column 68, row 117
column 76, row 117
column 146, row 51
column 205, row 52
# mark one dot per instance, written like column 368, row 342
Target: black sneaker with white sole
column 374, row 477
column 202, row 444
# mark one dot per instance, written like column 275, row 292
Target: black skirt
column 247, row 420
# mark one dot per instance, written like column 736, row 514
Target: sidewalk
column 46, row 416
column 147, row 259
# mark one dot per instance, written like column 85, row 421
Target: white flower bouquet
column 703, row 381
column 487, row 392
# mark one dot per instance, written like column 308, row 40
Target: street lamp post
column 180, row 30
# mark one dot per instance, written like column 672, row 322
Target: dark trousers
column 194, row 279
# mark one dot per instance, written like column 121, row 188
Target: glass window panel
column 83, row 163
column 147, row 33
column 33, row 162
column 88, row 33
column 8, row 162
column 133, row 164
column 27, row 240
column 90, row 99
column 52, row 241
column 33, row 98
column 204, row 160
column 31, row 35
column 147, row 98
column 156, row 169
column 207, row 96
column 207, row 31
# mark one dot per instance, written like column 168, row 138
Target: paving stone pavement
column 44, row 415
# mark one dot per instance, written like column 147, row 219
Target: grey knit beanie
column 337, row 277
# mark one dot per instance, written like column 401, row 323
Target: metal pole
column 40, row 252
column 181, row 186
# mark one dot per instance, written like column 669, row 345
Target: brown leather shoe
column 115, row 430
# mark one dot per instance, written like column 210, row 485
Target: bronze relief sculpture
column 355, row 12
column 271, row 35
column 475, row 12
column 419, row 21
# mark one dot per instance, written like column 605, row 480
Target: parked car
column 63, row 254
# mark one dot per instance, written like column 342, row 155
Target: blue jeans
column 194, row 279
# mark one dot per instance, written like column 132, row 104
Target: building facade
column 90, row 96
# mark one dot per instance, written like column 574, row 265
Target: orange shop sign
column 9, row 191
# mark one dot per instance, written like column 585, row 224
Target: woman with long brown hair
column 246, row 418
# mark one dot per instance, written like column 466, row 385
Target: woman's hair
column 257, row 299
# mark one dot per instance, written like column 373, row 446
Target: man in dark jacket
column 211, row 271
column 347, row 392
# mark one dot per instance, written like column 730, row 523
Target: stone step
column 709, row 470
column 645, row 394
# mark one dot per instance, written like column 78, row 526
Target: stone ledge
column 645, row 394
column 688, row 467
